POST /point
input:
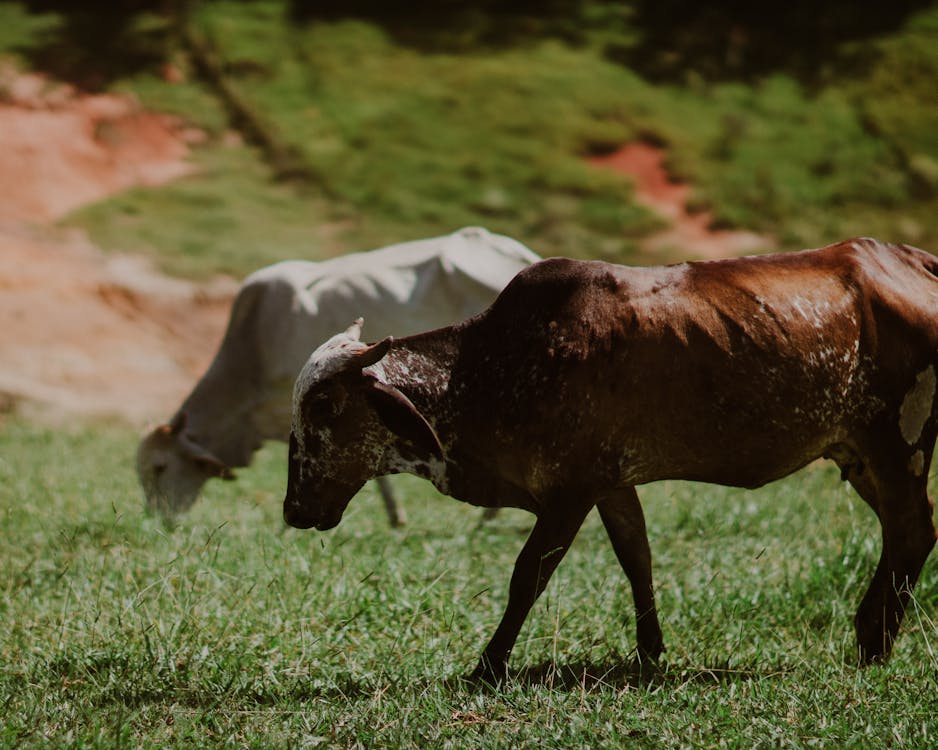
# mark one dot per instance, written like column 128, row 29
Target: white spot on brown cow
column 917, row 463
column 917, row 405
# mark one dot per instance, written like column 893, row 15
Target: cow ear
column 373, row 353
column 176, row 425
column 399, row 415
column 204, row 458
column 215, row 468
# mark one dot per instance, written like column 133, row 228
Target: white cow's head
column 172, row 467
column 348, row 427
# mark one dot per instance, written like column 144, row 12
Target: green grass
column 229, row 218
column 19, row 29
column 232, row 631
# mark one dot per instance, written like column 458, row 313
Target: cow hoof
column 645, row 668
column 488, row 673
column 865, row 657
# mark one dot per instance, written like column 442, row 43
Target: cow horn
column 372, row 353
column 344, row 352
column 354, row 331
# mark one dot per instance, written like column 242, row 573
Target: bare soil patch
column 81, row 332
column 689, row 234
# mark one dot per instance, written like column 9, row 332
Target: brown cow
column 584, row 379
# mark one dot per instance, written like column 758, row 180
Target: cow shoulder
column 572, row 306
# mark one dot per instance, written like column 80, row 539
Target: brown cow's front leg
column 908, row 538
column 549, row 541
column 905, row 514
column 625, row 523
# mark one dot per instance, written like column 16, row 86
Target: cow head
column 348, row 427
column 172, row 468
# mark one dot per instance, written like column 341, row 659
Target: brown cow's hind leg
column 622, row 516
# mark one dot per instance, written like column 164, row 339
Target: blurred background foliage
column 365, row 122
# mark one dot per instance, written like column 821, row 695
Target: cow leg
column 551, row 537
column 488, row 514
column 395, row 514
column 622, row 516
column 905, row 513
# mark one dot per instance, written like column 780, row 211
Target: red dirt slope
column 689, row 235
column 82, row 332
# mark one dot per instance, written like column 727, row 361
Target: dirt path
column 690, row 235
column 94, row 335
column 82, row 332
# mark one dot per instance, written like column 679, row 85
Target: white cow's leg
column 395, row 514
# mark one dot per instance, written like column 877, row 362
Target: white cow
column 284, row 311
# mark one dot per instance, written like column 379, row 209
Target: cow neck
column 421, row 368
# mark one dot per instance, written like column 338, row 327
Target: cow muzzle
column 298, row 513
column 297, row 516
column 300, row 517
column 319, row 505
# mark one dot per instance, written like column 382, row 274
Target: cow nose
column 296, row 515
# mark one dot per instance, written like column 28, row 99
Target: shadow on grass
column 123, row 679
column 299, row 691
column 591, row 676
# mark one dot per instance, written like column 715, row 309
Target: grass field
column 233, row 631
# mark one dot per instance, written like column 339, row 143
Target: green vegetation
column 410, row 129
column 19, row 28
column 231, row 217
column 231, row 631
